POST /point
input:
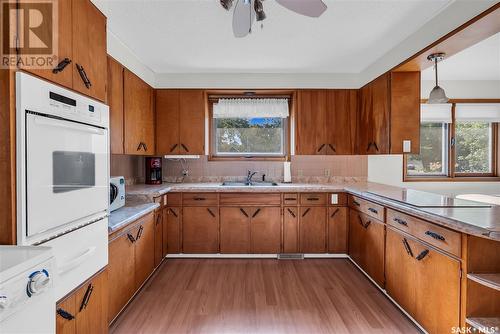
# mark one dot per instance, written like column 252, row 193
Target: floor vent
column 290, row 256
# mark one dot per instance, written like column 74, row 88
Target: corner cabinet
column 389, row 113
column 139, row 117
column 180, row 121
column 81, row 62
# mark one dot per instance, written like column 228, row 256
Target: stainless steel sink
column 249, row 184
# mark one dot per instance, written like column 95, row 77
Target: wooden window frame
column 213, row 95
column 453, row 176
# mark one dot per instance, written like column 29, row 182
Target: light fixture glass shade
column 437, row 95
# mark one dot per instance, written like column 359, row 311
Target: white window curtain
column 251, row 108
column 477, row 112
column 435, row 113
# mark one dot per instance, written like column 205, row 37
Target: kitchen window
column 255, row 128
column 458, row 141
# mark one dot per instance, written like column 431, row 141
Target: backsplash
column 129, row 166
column 308, row 169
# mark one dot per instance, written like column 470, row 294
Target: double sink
column 249, row 184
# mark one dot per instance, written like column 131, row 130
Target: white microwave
column 116, row 192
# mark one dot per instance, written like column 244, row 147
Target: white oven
column 62, row 176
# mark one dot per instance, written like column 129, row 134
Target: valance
column 251, row 108
column 435, row 113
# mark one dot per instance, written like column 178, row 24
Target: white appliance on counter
column 62, row 177
column 116, row 192
column 27, row 301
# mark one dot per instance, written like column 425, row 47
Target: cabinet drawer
column 337, row 199
column 438, row 236
column 313, row 199
column 371, row 209
column 250, row 199
column 199, row 199
column 290, row 199
column 174, row 199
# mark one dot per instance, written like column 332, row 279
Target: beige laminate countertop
column 480, row 219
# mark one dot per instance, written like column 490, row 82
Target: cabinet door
column 192, row 122
column 364, row 131
column 144, row 250
column 342, row 107
column 372, row 247
column 265, row 230
column 172, row 229
column 234, row 230
column 139, row 115
column 63, row 325
column 92, row 305
column 311, row 123
column 115, row 101
column 355, row 237
column 200, row 230
column 337, row 230
column 64, row 35
column 89, row 49
column 400, row 270
column 437, row 289
column 379, row 117
column 290, row 230
column 167, row 121
column 312, row 228
column 121, row 269
column 158, row 237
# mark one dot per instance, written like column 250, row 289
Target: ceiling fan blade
column 312, row 8
column 243, row 17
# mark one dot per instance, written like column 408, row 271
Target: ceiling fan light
column 437, row 96
column 226, row 4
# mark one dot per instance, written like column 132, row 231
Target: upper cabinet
column 389, row 113
column 326, row 121
column 115, row 102
column 81, row 40
column 139, row 133
column 180, row 122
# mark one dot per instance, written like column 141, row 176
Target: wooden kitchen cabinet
column 312, row 229
column 139, row 116
column 341, row 116
column 144, row 249
column 265, row 230
column 172, row 218
column 416, row 274
column 337, row 230
column 200, row 230
column 234, row 230
column 290, row 230
column 158, row 257
column 366, row 244
column 180, row 121
column 311, row 124
column 89, row 49
column 115, row 102
column 86, row 309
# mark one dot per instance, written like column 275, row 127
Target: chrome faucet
column 250, row 174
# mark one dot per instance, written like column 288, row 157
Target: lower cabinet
column 131, row 262
column 337, row 230
column 86, row 309
column 172, row 218
column 250, row 230
column 200, row 230
column 312, row 229
column 158, row 237
column 366, row 244
column 290, row 230
column 424, row 281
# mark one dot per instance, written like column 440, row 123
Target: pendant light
column 437, row 94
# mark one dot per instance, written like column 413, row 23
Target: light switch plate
column 334, row 199
column 406, row 146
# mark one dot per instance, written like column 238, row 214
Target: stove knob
column 38, row 282
column 4, row 302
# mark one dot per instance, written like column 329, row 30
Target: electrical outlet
column 185, row 172
column 327, row 172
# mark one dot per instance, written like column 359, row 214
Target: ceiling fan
column 247, row 11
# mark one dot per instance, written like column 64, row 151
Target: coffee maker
column 153, row 170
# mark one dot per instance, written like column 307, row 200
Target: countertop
column 127, row 214
column 480, row 219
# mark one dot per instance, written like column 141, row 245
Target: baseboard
column 251, row 256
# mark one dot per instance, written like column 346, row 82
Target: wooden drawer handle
column 291, row 213
column 334, row 213
column 244, row 213
column 400, row 221
column 158, row 219
column 173, row 147
column 355, row 203
column 306, row 212
column 365, row 225
column 86, row 297
column 185, row 147
column 407, row 247
column 199, row 199
column 375, row 211
column 313, row 199
column 256, row 213
column 332, row 148
column 321, row 147
column 65, row 314
column 61, row 66
column 290, row 199
column 173, row 212
column 211, row 213
column 435, row 235
column 422, row 255
column 131, row 237
column 139, row 233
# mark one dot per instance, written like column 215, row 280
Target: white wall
column 465, row 89
column 388, row 169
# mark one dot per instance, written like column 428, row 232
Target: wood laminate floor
column 261, row 296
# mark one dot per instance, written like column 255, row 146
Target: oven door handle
column 68, row 125
column 76, row 261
